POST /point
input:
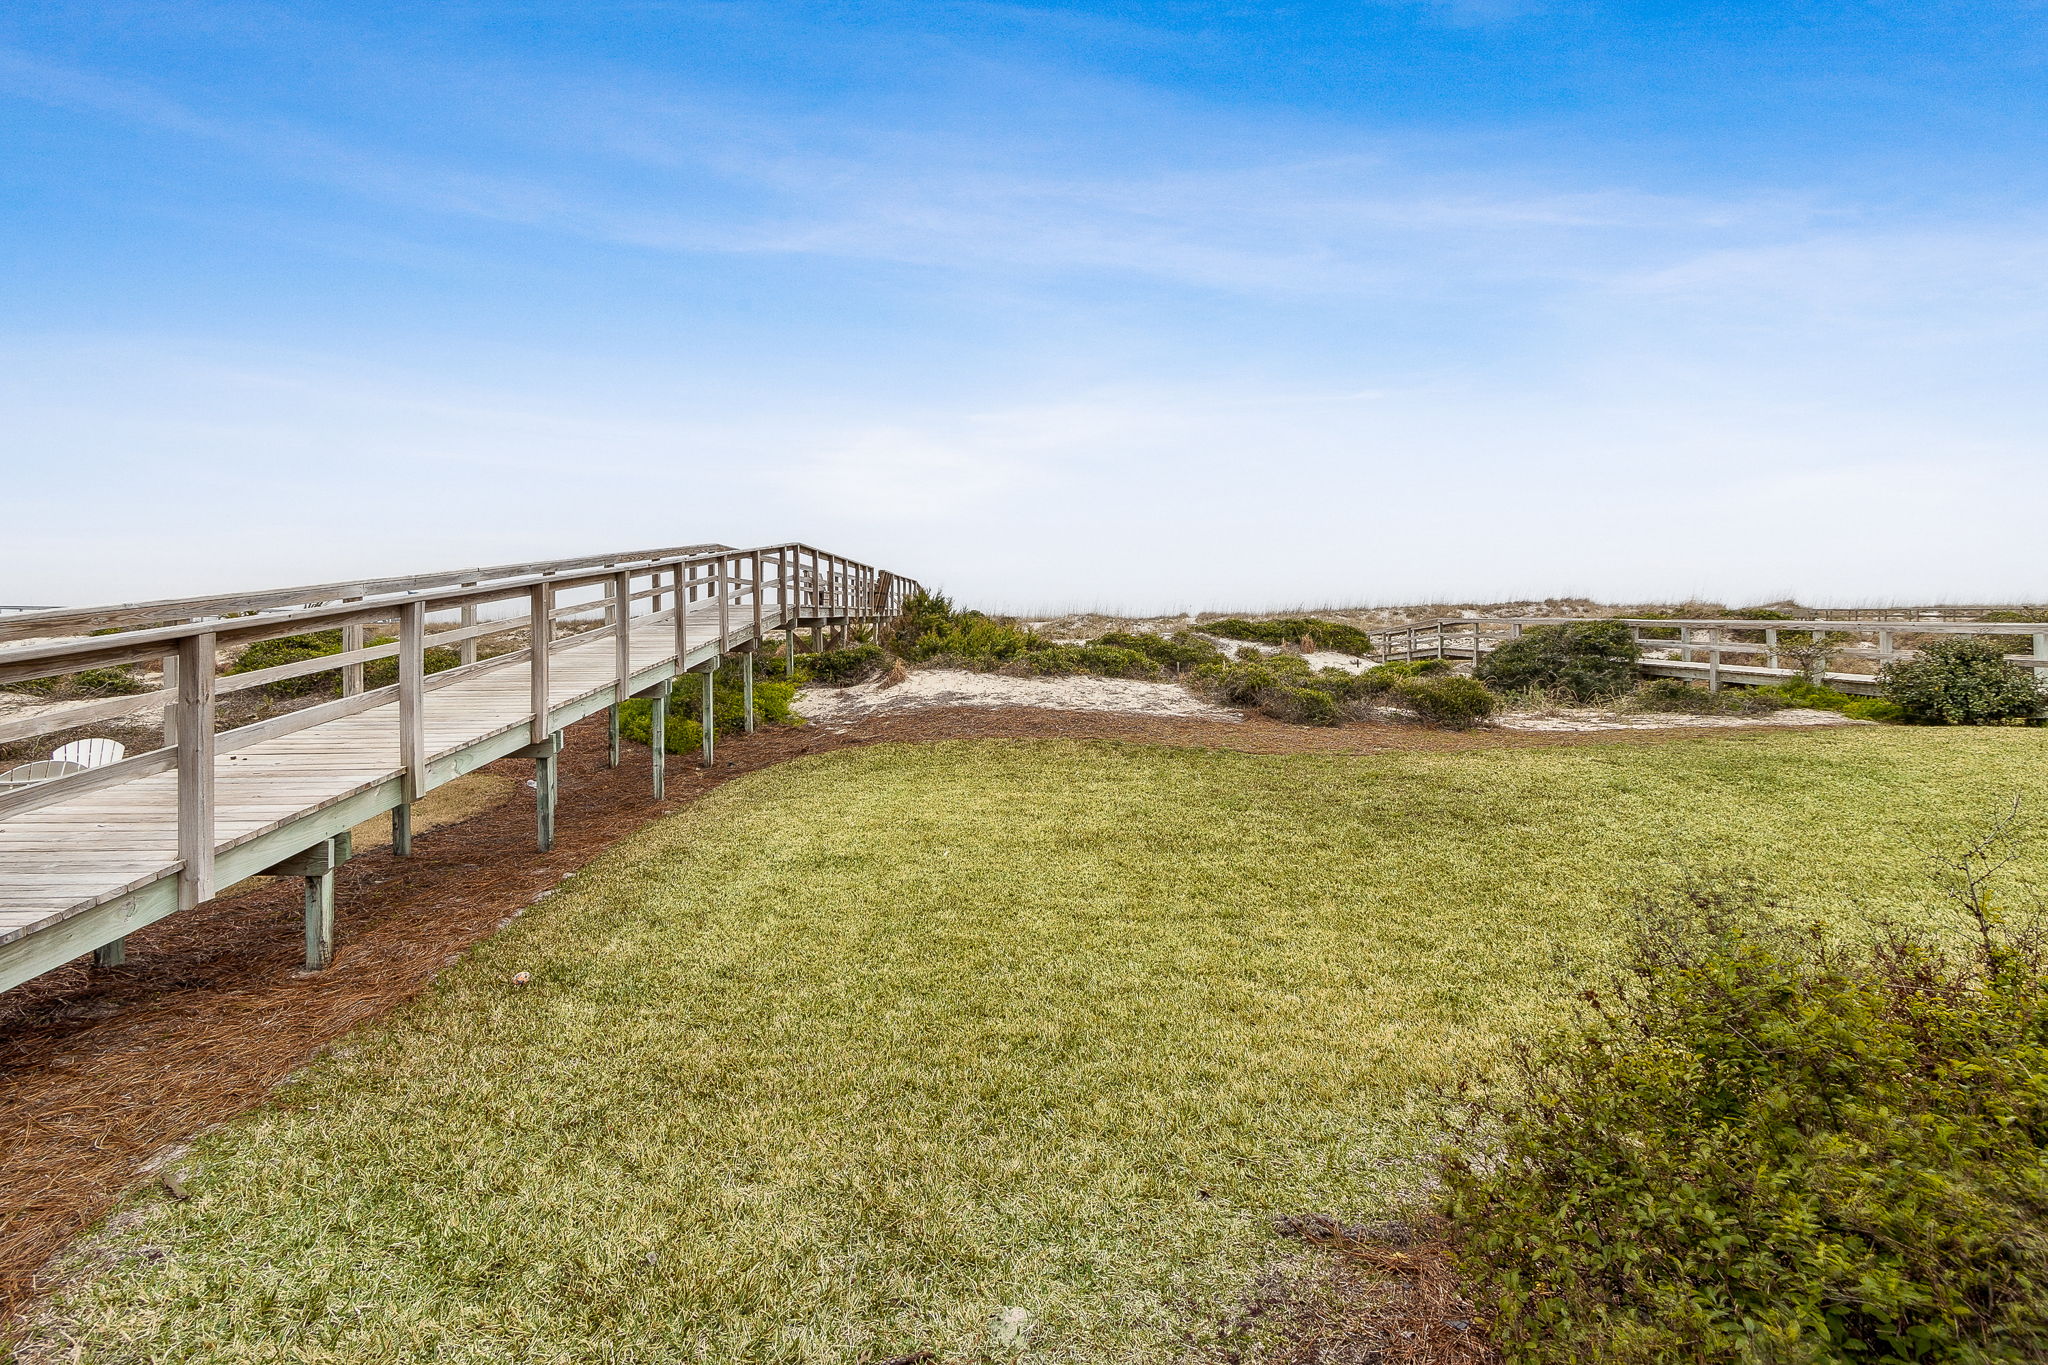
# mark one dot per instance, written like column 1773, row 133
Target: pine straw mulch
column 1377, row 1294
column 106, row 1069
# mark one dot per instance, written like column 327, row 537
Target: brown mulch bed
column 1384, row 1294
column 103, row 1069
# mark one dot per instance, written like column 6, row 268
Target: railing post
column 412, row 679
column 785, row 558
column 1714, row 658
column 170, row 670
column 622, row 652
column 724, row 590
column 468, row 645
column 541, row 599
column 352, row 638
column 756, row 595
column 682, row 621
column 195, row 769
column 1771, row 646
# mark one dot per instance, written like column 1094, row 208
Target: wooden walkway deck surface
column 80, row 871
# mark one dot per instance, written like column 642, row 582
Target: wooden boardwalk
column 86, row 859
column 1714, row 650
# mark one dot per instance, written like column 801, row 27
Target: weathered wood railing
column 715, row 599
column 1704, row 647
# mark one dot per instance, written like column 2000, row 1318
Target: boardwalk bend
column 88, row 858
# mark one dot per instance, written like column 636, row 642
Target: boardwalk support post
column 544, row 756
column 317, row 865
column 544, row 802
column 747, row 687
column 657, row 737
column 401, row 830
column 710, row 719
column 612, row 726
column 111, row 954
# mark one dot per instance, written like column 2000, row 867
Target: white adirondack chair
column 91, row 753
column 42, row 770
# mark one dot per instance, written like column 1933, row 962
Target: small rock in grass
column 521, row 978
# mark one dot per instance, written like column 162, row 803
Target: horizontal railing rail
column 1707, row 644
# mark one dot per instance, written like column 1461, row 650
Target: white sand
column 1592, row 718
column 957, row 687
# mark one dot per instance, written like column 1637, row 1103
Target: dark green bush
column 1693, row 699
column 772, row 698
column 1103, row 661
column 1658, row 632
column 1764, row 1148
column 1874, row 708
column 1449, row 700
column 1292, row 630
column 636, row 722
column 1810, row 696
column 1383, row 677
column 1962, row 680
column 291, row 649
column 1588, row 660
column 1302, row 705
column 118, row 681
column 931, row 630
column 1236, row 684
column 842, row 667
column 1176, row 653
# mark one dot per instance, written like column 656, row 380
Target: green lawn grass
column 861, row 1051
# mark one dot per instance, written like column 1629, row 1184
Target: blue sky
column 1143, row 305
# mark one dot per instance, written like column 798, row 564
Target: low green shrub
column 1679, row 696
column 772, row 699
column 1962, row 680
column 118, row 681
column 1383, row 677
column 1658, row 632
column 1302, row 705
column 1285, row 687
column 842, row 667
column 1236, row 684
column 1295, row 630
column 1450, row 700
column 1103, row 661
column 1763, row 1147
column 636, row 722
column 1587, row 660
column 1875, row 708
column 1806, row 695
column 1176, row 653
column 931, row 630
column 291, row 649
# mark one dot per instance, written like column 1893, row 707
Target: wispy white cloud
column 1289, row 221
